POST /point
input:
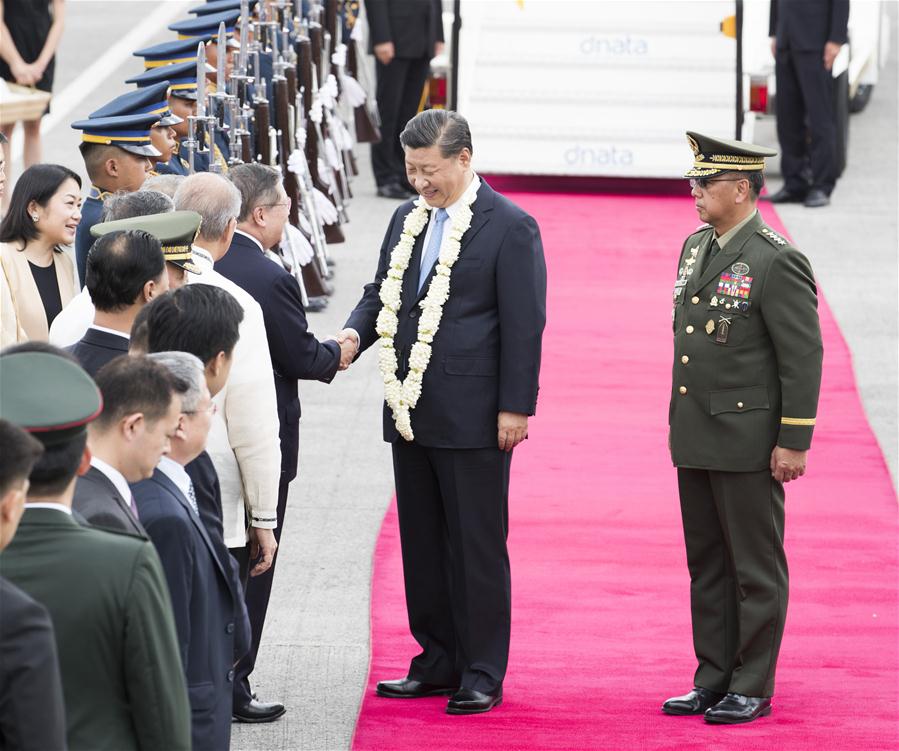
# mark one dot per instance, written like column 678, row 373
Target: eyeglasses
column 212, row 409
column 272, row 205
column 703, row 182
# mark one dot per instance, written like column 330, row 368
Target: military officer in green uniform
column 119, row 657
column 747, row 371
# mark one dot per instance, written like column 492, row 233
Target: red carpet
column 601, row 629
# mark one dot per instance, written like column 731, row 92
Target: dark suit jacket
column 805, row 25
column 100, row 504
column 203, row 603
column 296, row 353
column 91, row 213
column 32, row 713
column 412, row 25
column 115, row 634
column 209, row 501
column 486, row 354
column 96, row 348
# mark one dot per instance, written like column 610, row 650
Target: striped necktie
column 192, row 499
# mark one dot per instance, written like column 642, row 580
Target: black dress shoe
column 393, row 190
column 696, row 702
column 816, row 198
column 258, row 711
column 786, row 196
column 407, row 688
column 469, row 701
column 734, row 709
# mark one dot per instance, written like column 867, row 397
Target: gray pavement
column 315, row 650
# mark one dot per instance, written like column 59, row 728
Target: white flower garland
column 402, row 396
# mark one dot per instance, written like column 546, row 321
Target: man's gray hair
column 258, row 186
column 443, row 128
column 190, row 376
column 214, row 198
column 124, row 205
column 167, row 184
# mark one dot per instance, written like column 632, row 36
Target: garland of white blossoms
column 402, row 396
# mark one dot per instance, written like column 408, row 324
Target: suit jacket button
column 229, row 629
column 689, row 329
column 683, row 389
column 695, row 300
column 685, row 359
column 413, row 313
column 231, row 676
column 739, row 405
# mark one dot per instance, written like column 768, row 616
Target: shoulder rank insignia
column 773, row 236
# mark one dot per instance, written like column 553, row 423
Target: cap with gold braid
column 207, row 24
column 175, row 230
column 170, row 53
column 714, row 155
column 128, row 132
column 148, row 101
column 182, row 77
column 48, row 395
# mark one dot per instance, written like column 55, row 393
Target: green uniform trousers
column 734, row 531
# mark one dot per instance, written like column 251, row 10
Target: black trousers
column 453, row 507
column 805, row 120
column 734, row 531
column 399, row 88
column 258, row 590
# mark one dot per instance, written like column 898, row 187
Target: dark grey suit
column 32, row 713
column 96, row 348
column 101, row 505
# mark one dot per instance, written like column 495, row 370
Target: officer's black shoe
column 317, row 304
column 469, row 701
column 258, row 711
column 786, row 196
column 407, row 688
column 735, row 709
column 696, row 702
column 815, row 198
column 393, row 190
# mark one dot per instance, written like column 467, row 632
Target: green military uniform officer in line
column 119, row 657
column 747, row 371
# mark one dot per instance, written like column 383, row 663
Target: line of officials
column 122, row 538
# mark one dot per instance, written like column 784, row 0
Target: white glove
column 353, row 93
column 296, row 162
column 327, row 211
column 296, row 246
column 315, row 111
column 339, row 56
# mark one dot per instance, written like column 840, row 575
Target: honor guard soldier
column 206, row 27
column 116, row 153
column 182, row 78
column 151, row 100
column 119, row 658
column 747, row 371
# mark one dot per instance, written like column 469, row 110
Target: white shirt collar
column 114, row 476
column 54, row 506
column 177, row 474
column 466, row 197
column 203, row 257
column 258, row 244
column 111, row 331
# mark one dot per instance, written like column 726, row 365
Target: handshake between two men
column 512, row 427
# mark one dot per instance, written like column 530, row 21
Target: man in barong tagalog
column 458, row 305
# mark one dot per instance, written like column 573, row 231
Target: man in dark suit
column 296, row 354
column 746, row 376
column 32, row 714
column 203, row 601
column 125, row 270
column 452, row 457
column 405, row 35
column 127, row 441
column 106, row 593
column 806, row 36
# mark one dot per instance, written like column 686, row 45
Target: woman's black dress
column 29, row 23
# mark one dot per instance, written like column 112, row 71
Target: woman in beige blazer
column 37, row 279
